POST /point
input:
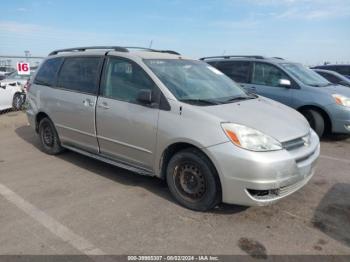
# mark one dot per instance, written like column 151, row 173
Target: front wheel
column 315, row 120
column 49, row 139
column 193, row 181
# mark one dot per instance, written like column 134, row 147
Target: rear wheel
column 49, row 139
column 315, row 120
column 193, row 181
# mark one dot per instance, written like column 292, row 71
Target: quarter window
column 236, row 70
column 124, row 79
column 80, row 74
column 47, row 72
column 266, row 74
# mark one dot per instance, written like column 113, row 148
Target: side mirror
column 144, row 96
column 285, row 83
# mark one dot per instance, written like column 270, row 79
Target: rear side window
column 47, row 72
column 236, row 70
column 80, row 74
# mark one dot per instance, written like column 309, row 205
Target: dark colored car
column 333, row 77
column 341, row 69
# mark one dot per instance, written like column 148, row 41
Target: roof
column 330, row 65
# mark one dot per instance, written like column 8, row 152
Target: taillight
column 27, row 86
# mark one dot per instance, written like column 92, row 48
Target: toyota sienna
column 158, row 113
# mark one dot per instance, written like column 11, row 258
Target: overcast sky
column 308, row 31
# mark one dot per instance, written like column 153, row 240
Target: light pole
column 27, row 54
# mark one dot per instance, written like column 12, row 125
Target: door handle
column 104, row 105
column 88, row 102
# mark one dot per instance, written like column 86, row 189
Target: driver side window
column 124, row 79
column 268, row 75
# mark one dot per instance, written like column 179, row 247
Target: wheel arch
column 324, row 113
column 176, row 147
column 39, row 116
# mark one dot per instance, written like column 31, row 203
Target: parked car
column 15, row 88
column 11, row 95
column 4, row 71
column 334, row 77
column 326, row 106
column 161, row 114
column 341, row 69
column 15, row 77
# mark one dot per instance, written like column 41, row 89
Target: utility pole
column 150, row 44
column 27, row 54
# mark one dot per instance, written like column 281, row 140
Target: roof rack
column 276, row 57
column 232, row 56
column 115, row 48
column 81, row 49
column 153, row 50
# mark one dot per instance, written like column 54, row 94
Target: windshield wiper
column 238, row 98
column 200, row 101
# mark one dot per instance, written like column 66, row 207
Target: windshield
column 305, row 75
column 196, row 82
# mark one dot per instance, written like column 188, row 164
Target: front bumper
column 340, row 116
column 261, row 178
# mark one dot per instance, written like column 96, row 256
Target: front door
column 265, row 81
column 126, row 129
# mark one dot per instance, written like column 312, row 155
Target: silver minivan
column 160, row 114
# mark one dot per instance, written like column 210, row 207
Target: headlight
column 249, row 138
column 341, row 100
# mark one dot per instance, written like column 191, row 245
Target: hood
column 272, row 118
column 337, row 89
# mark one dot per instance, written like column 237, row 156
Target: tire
column 49, row 140
column 316, row 121
column 17, row 102
column 193, row 181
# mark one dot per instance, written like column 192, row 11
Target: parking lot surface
column 71, row 204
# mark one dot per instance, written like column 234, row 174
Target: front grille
column 270, row 194
column 293, row 144
column 283, row 191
